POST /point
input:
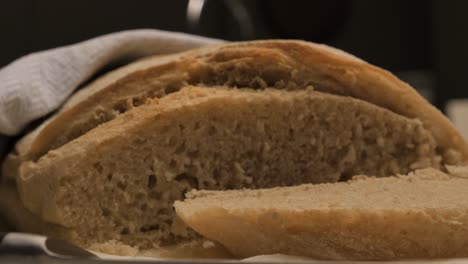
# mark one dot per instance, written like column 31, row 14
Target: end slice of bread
column 422, row 215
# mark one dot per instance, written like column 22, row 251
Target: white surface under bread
column 279, row 258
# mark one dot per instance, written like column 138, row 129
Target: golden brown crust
column 380, row 87
column 329, row 69
column 103, row 89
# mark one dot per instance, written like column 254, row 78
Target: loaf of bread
column 419, row 216
column 111, row 162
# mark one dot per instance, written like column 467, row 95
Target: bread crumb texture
column 195, row 249
column 113, row 247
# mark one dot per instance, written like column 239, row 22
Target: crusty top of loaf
column 330, row 70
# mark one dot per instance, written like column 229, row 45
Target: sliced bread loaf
column 119, row 180
column 423, row 215
column 110, row 163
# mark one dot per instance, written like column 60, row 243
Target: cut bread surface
column 420, row 216
column 119, row 180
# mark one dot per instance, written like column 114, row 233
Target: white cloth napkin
column 37, row 84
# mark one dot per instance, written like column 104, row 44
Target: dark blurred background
column 423, row 42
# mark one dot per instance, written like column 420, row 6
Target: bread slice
column 423, row 215
column 119, row 180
